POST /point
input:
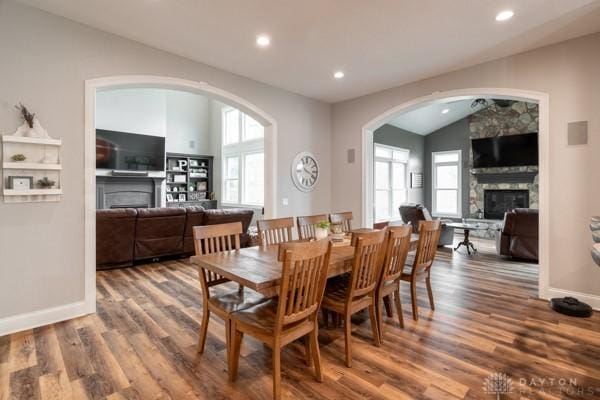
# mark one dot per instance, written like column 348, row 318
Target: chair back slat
column 303, row 281
column 343, row 220
column 396, row 251
column 210, row 239
column 307, row 225
column 367, row 263
column 429, row 236
column 275, row 231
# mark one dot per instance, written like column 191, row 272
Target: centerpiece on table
column 322, row 230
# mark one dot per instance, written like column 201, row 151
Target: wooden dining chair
column 275, row 231
column 347, row 296
column 307, row 225
column 211, row 239
column 293, row 315
column 429, row 236
column 343, row 220
column 396, row 250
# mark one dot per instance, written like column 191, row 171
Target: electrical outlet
column 285, row 201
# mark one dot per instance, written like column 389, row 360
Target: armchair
column 413, row 213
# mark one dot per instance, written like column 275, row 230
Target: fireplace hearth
column 497, row 202
column 127, row 192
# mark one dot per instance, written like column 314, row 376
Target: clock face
column 305, row 171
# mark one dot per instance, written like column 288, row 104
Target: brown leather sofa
column 520, row 236
column 413, row 213
column 115, row 233
column 125, row 236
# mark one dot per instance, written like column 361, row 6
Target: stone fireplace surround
column 516, row 118
column 128, row 192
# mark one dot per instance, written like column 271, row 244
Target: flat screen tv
column 129, row 151
column 505, row 151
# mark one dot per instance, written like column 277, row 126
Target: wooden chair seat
column 236, row 301
column 336, row 293
column 262, row 319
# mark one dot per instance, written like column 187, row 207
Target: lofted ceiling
column 427, row 119
column 377, row 43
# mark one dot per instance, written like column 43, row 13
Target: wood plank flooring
column 141, row 344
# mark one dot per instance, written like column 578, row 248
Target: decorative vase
column 321, row 233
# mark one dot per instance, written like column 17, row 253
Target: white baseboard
column 47, row 316
column 590, row 299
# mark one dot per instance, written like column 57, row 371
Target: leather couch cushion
column 159, row 232
column 519, row 237
column 115, row 233
column 223, row 216
column 195, row 216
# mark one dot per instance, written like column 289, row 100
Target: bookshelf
column 189, row 180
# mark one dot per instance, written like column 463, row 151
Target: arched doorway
column 92, row 86
column 541, row 99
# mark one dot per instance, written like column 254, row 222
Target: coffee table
column 466, row 229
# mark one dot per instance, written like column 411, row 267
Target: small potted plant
column 322, row 230
column 46, row 183
column 18, row 157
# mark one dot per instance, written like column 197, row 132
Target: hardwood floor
column 141, row 344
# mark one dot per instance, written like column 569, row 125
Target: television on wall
column 125, row 151
column 505, row 151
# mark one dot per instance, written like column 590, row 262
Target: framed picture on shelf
column 20, row 182
column 201, row 186
column 169, row 197
column 193, row 163
column 179, row 178
column 181, row 197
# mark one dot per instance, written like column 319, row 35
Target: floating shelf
column 37, row 166
column 32, row 192
column 29, row 140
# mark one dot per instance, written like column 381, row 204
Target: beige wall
column 570, row 73
column 45, row 61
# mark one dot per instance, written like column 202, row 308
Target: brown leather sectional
column 520, row 236
column 125, row 236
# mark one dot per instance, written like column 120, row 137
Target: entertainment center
column 134, row 171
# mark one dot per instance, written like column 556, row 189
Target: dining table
column 259, row 268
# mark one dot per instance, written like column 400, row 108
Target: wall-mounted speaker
column 577, row 133
column 351, row 156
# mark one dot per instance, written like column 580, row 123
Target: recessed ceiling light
column 338, row 75
column 263, row 40
column 504, row 15
column 445, row 111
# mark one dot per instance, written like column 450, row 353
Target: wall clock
column 305, row 171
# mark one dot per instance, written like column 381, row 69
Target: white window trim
column 240, row 149
column 434, row 212
column 390, row 160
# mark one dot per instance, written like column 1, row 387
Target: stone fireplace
column 128, row 192
column 497, row 202
column 508, row 118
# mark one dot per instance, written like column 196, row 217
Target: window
column 243, row 159
column 390, row 181
column 446, row 183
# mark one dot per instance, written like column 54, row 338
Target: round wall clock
column 305, row 171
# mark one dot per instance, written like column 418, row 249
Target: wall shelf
column 29, row 140
column 32, row 192
column 32, row 166
column 32, row 148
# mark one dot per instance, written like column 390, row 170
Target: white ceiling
column 378, row 43
column 427, row 119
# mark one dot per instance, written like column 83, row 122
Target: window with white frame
column 446, row 183
column 243, row 159
column 391, row 167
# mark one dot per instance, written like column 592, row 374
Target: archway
column 92, row 86
column 542, row 99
